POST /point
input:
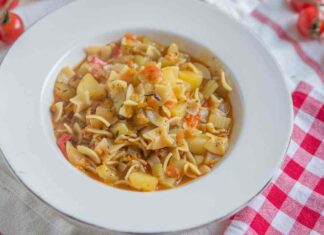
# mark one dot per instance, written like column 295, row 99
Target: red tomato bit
column 61, row 142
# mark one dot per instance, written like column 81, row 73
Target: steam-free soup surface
column 141, row 116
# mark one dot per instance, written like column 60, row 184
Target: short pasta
column 137, row 115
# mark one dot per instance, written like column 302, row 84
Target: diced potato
column 83, row 69
column 89, row 83
column 192, row 78
column 217, row 145
column 119, row 128
column 196, row 144
column 142, row 181
column 179, row 110
column 107, row 173
column 168, row 182
column 140, row 60
column 170, row 75
column 157, row 170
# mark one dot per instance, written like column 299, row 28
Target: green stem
column 5, row 8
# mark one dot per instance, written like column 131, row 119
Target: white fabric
column 22, row 213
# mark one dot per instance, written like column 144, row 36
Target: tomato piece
column 207, row 103
column 299, row 5
column 96, row 61
column 11, row 28
column 192, row 121
column 61, row 142
column 116, row 52
column 311, row 22
column 152, row 73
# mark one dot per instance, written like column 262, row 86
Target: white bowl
column 262, row 113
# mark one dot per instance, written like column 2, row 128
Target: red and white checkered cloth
column 293, row 202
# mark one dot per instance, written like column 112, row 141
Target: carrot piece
column 172, row 172
column 152, row 73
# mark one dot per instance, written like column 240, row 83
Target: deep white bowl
column 261, row 104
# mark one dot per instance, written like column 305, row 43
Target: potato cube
column 142, row 181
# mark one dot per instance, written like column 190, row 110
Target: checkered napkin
column 293, row 203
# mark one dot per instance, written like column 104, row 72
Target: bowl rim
column 219, row 219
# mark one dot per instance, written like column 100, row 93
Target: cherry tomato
column 311, row 22
column 299, row 5
column 11, row 28
column 11, row 6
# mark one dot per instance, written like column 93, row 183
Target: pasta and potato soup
column 141, row 116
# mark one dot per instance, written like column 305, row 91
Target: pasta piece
column 156, row 119
column 165, row 93
column 224, row 82
column 90, row 84
column 196, row 144
column 77, row 132
column 58, row 111
column 168, row 182
column 170, row 75
column 120, row 128
column 107, row 173
column 99, row 118
column 199, row 159
column 68, row 128
column 191, row 170
column 130, row 170
column 81, row 101
column 102, row 147
column 204, row 169
column 217, row 145
column 89, row 153
column 99, row 132
column 159, row 138
column 212, row 159
column 209, row 88
column 203, row 70
column 76, row 158
column 166, row 161
column 220, row 121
